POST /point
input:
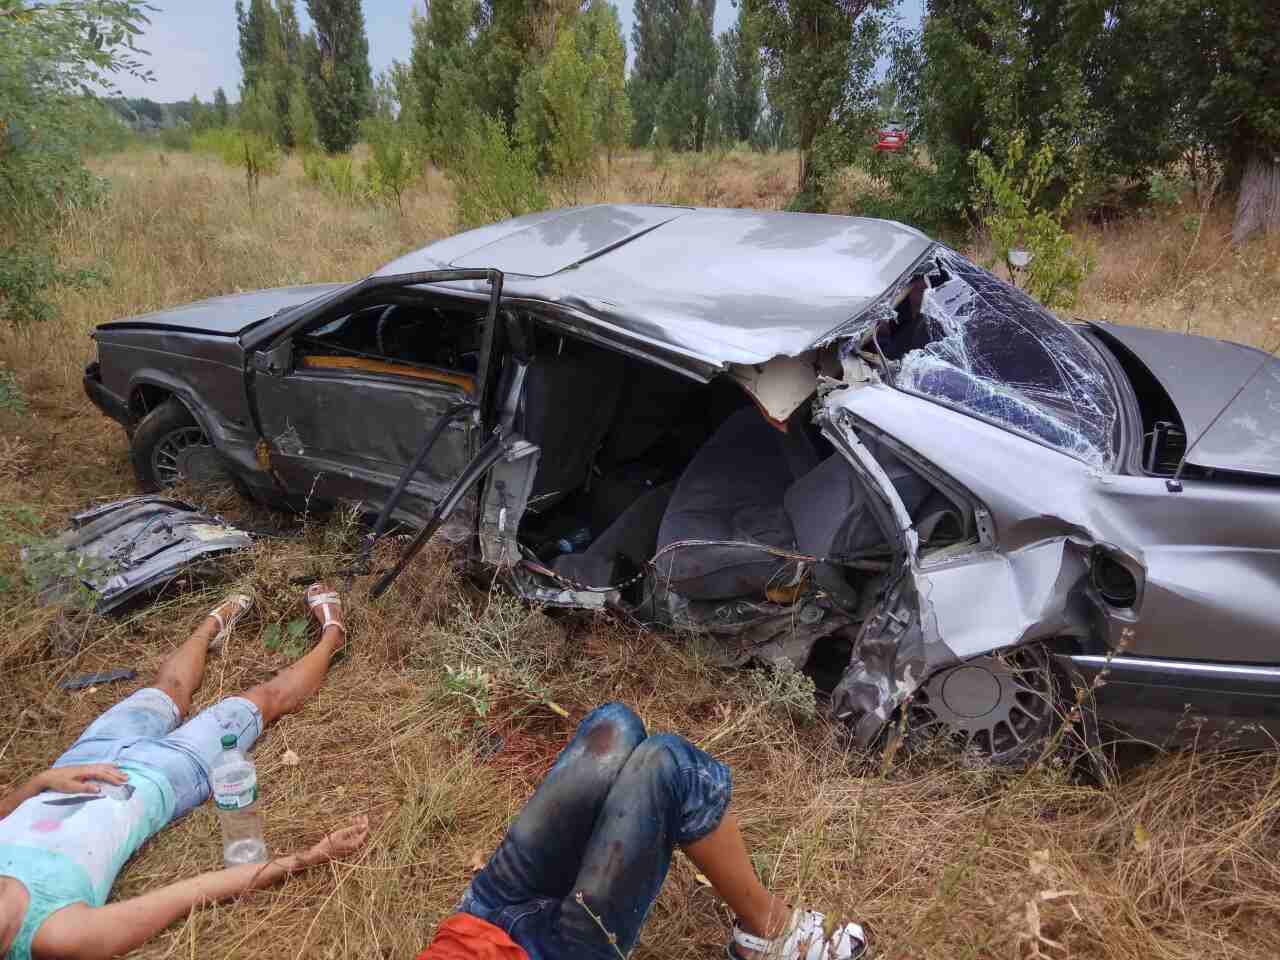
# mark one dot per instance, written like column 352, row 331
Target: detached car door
column 344, row 401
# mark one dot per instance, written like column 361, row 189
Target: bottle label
column 236, row 794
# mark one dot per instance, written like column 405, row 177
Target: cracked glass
column 983, row 346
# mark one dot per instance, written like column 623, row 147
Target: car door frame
column 269, row 352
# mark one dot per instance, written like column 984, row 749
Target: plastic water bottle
column 235, row 794
column 574, row 541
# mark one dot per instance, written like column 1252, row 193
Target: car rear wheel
column 168, row 446
column 1002, row 708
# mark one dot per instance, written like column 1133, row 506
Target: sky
column 192, row 44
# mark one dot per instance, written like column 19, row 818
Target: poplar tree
column 338, row 79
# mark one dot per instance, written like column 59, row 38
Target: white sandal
column 243, row 604
column 805, row 931
column 326, row 600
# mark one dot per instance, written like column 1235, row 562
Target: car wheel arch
column 148, row 392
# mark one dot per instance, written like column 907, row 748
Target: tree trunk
column 1258, row 209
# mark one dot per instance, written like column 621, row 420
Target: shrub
column 255, row 153
column 176, row 138
column 1009, row 199
column 493, row 177
column 391, row 168
column 27, row 275
column 336, row 175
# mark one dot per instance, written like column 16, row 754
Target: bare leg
column 722, row 857
column 181, row 674
column 292, row 687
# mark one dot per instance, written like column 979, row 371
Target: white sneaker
column 805, row 939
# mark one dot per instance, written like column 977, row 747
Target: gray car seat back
column 732, row 494
column 570, row 399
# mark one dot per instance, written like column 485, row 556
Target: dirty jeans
column 602, row 826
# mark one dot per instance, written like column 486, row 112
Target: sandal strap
column 749, row 941
column 243, row 603
column 805, row 926
column 327, row 600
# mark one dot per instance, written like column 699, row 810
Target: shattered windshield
column 969, row 340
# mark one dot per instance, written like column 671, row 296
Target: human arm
column 98, row 933
column 78, row 779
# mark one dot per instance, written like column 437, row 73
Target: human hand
column 80, row 779
column 340, row 843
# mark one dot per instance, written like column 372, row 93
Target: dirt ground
column 438, row 725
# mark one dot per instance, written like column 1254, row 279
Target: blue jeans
column 143, row 728
column 602, row 826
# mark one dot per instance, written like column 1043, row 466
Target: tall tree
column 687, row 95
column 600, row 40
column 741, row 79
column 820, row 56
column 257, row 24
column 339, row 81
column 512, row 38
column 221, row 110
column 659, row 28
column 1225, row 61
column 271, row 60
column 444, row 88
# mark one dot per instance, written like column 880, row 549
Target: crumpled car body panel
column 118, row 551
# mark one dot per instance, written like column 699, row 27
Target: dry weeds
column 1179, row 860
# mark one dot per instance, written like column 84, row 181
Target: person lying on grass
column 65, row 835
column 578, row 870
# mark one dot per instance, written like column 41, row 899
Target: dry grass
column 1179, row 860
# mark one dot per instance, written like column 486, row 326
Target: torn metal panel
column 505, row 500
column 117, row 551
column 995, row 353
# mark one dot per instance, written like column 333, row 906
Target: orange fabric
column 464, row 937
column 369, row 365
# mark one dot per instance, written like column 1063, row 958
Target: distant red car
column 893, row 137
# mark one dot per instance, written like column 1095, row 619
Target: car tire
column 159, row 443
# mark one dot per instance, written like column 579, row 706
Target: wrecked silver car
column 823, row 440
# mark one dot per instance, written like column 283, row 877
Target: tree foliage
column 685, row 104
column 820, row 56
column 739, row 88
column 661, row 29
column 336, row 63
column 1017, row 216
column 53, row 56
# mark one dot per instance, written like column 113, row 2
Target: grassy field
column 1179, row 859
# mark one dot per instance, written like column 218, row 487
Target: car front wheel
column 168, row 446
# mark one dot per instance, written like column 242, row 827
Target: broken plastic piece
column 96, row 679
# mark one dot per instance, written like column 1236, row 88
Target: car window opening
column 403, row 335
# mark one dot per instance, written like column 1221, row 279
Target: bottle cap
column 229, row 741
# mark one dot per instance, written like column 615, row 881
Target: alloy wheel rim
column 995, row 706
column 169, row 454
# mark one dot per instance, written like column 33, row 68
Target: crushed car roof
column 724, row 286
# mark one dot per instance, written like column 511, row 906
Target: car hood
column 1201, row 375
column 227, row 315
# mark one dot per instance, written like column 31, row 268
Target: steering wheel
column 383, row 318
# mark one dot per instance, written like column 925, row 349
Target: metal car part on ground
column 119, row 551
column 829, row 440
